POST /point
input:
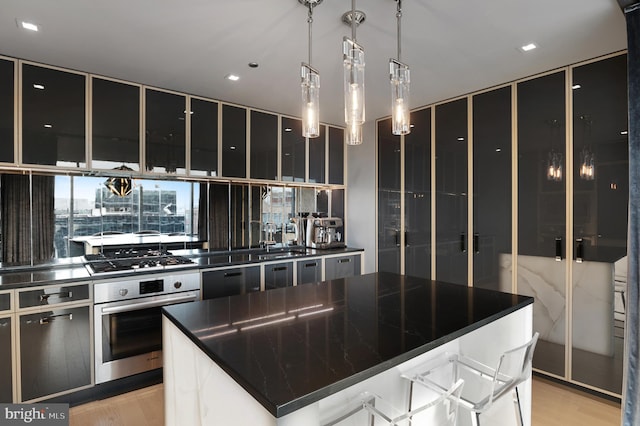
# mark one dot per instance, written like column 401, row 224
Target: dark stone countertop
column 291, row 347
column 73, row 269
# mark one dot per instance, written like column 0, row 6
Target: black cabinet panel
column 165, row 147
column 53, row 117
column 317, row 157
column 7, row 112
column 234, row 141
column 264, row 145
column 309, row 271
column 336, row 155
column 452, row 241
column 55, row 351
column 6, row 361
column 116, row 125
column 230, row 282
column 341, row 267
column 204, row 137
column 293, row 150
column 417, row 195
column 389, row 220
column 541, row 136
column 278, row 275
column 491, row 185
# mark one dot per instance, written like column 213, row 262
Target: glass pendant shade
column 310, row 102
column 587, row 165
column 554, row 166
column 354, row 134
column 400, row 90
column 353, row 56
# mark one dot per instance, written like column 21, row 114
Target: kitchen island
column 290, row 356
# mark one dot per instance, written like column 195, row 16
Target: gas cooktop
column 133, row 260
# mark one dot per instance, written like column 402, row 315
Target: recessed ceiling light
column 288, row 129
column 48, row 126
column 232, row 148
column 460, row 138
column 38, row 86
column 28, row 26
column 528, row 47
column 253, row 65
column 498, row 149
column 412, row 125
column 232, row 77
column 624, row 132
column 576, row 86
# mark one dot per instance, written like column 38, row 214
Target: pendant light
column 554, row 159
column 353, row 58
column 400, row 89
column 587, row 169
column 310, row 85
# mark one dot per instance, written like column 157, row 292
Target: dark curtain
column 631, row 391
column 18, row 210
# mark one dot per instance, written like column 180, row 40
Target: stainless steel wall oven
column 128, row 320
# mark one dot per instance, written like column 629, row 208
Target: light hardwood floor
column 553, row 405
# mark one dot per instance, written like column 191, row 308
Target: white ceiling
column 452, row 46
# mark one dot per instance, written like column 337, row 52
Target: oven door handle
column 145, row 305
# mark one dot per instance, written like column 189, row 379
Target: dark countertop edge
column 296, row 404
column 88, row 277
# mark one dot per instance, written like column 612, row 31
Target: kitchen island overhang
column 293, row 347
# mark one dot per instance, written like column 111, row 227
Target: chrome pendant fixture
column 353, row 59
column 400, row 86
column 310, row 83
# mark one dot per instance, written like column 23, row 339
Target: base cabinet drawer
column 277, row 275
column 341, row 267
column 53, row 295
column 230, row 282
column 55, row 351
column 309, row 271
column 6, row 360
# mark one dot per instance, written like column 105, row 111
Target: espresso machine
column 325, row 232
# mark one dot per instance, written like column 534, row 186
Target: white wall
column 361, row 196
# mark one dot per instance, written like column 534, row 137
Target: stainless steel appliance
column 128, row 320
column 325, row 232
column 134, row 260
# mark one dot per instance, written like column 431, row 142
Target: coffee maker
column 325, row 232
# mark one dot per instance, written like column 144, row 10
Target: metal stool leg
column 518, row 408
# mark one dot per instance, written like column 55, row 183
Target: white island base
column 198, row 392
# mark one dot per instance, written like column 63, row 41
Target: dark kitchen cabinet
column 336, row 155
column 165, row 143
column 341, row 267
column 452, row 240
column 309, row 271
column 294, row 150
column 389, row 190
column 53, row 117
column 115, row 136
column 6, row 359
column 46, row 296
column 491, row 185
column 55, row 351
column 7, row 111
column 317, row 157
column 278, row 275
column 234, row 141
column 230, row 282
column 204, row 137
column 417, row 195
column 264, row 145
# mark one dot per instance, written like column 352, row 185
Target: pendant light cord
column 353, row 20
column 399, row 18
column 310, row 22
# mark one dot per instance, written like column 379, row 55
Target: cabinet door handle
column 232, row 274
column 463, row 243
column 61, row 295
column 558, row 249
column 406, row 239
column 280, row 268
column 345, row 260
column 579, row 250
column 47, row 320
column 311, row 265
column 397, row 238
column 476, row 243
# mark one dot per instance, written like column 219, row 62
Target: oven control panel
column 144, row 285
